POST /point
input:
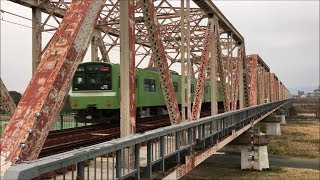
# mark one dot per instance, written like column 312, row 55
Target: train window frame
column 175, row 86
column 149, row 85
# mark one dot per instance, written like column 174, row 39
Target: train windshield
column 92, row 76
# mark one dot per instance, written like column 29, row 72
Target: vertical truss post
column 183, row 64
column 213, row 68
column 222, row 76
column 36, row 38
column 6, row 102
column 204, row 60
column 267, row 86
column 161, row 63
column 246, row 80
column 189, row 64
column 235, row 79
column 253, row 80
column 127, row 69
column 259, row 83
column 229, row 69
column 241, row 76
column 39, row 106
column 272, row 88
column 94, row 49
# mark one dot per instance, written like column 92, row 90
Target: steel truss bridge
column 192, row 35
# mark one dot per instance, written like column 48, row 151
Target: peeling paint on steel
column 42, row 100
column 161, row 63
column 132, row 86
column 204, row 61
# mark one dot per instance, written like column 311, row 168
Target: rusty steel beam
column 127, row 69
column 236, row 66
column 38, row 109
column 204, row 61
column 241, row 76
column 252, row 61
column 36, row 38
column 272, row 99
column 161, row 63
column 213, row 68
column 208, row 7
column 222, row 76
column 7, row 103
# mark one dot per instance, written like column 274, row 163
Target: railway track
column 67, row 139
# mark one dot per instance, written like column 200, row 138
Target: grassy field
column 298, row 139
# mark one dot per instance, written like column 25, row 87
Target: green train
column 95, row 94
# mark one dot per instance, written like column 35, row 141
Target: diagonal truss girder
column 29, row 126
column 204, row 61
column 160, row 60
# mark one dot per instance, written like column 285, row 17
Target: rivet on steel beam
column 37, row 114
column 30, row 131
column 23, row 145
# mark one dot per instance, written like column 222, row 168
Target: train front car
column 95, row 92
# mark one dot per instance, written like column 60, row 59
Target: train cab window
column 92, row 76
column 175, row 86
column 150, row 85
column 192, row 88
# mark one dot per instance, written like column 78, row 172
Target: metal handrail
column 197, row 133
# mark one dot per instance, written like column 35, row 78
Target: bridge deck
column 170, row 151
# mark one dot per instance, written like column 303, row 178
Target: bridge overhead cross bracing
column 168, row 14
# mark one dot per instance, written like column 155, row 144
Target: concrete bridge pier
column 254, row 159
column 273, row 124
column 283, row 112
column 254, row 151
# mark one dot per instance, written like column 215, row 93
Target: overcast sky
column 285, row 34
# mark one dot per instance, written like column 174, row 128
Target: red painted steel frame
column 132, row 86
column 253, row 80
column 160, row 60
column 271, row 87
column 204, row 60
column 39, row 107
column 236, row 62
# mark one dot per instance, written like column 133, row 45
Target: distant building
column 300, row 93
column 314, row 94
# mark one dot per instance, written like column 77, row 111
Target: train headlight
column 108, row 103
column 74, row 104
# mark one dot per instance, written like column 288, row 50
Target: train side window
column 175, row 86
column 192, row 88
column 150, row 85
